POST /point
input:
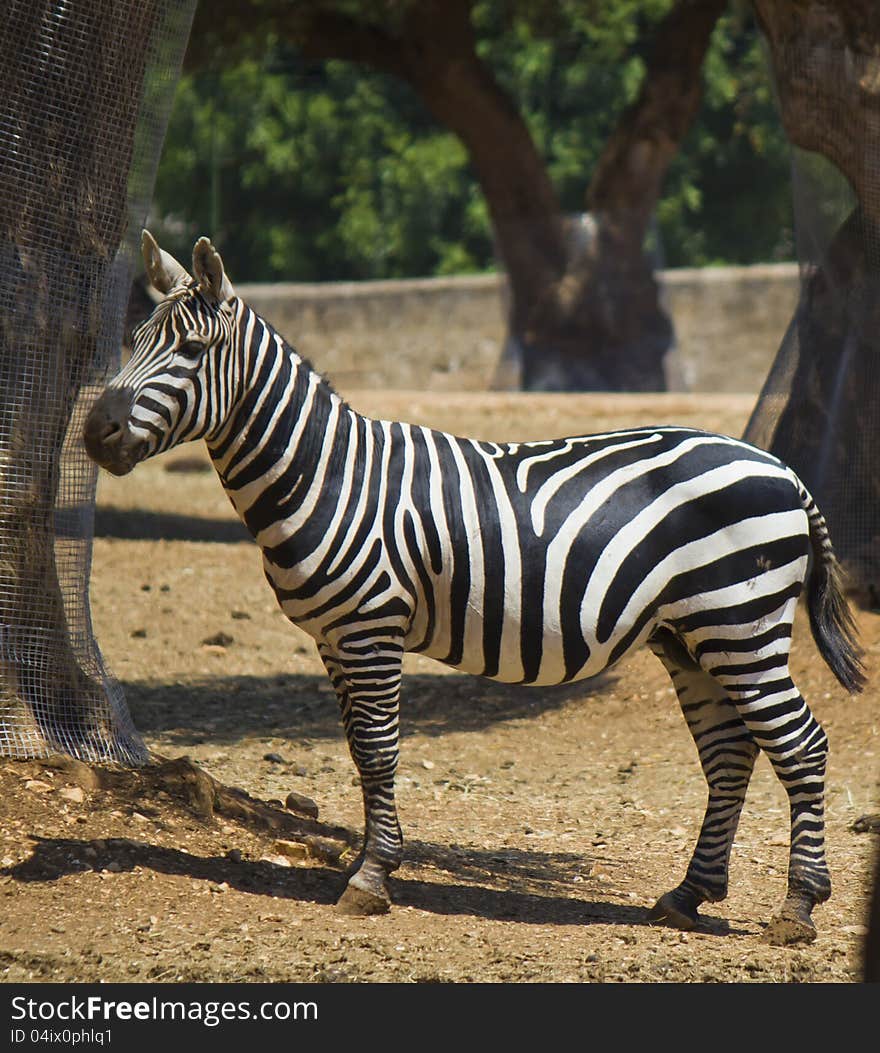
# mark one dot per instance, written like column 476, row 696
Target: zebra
column 538, row 563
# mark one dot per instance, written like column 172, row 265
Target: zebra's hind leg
column 727, row 754
column 366, row 678
column 783, row 726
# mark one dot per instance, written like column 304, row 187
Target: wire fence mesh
column 85, row 92
column 819, row 409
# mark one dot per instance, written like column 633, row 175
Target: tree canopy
column 315, row 170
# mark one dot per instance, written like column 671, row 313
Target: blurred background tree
column 465, row 136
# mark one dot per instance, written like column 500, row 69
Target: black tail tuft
column 831, row 619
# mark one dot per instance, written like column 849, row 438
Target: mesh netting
column 820, row 406
column 85, row 91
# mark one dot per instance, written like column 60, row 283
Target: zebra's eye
column 190, row 349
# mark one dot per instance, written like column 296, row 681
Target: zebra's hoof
column 359, row 902
column 675, row 910
column 792, row 925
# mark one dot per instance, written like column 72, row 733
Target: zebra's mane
column 324, row 383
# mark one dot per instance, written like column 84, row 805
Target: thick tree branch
column 649, row 133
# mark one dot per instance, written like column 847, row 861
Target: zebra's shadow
column 53, row 859
column 222, row 710
column 139, row 524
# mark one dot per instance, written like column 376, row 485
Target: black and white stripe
column 531, row 562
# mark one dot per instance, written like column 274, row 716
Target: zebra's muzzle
column 107, row 436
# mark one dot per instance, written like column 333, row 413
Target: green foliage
column 315, row 172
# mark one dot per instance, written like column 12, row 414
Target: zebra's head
column 167, row 393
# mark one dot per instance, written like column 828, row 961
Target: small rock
column 856, row 930
column 234, row 855
column 113, row 867
column 130, row 843
column 72, row 793
column 222, row 887
column 866, row 824
column 37, row 786
column 326, row 849
column 428, row 765
column 274, row 758
column 278, row 861
column 139, row 634
column 240, row 616
column 146, row 588
column 75, row 771
column 293, row 850
column 220, row 639
column 302, row 805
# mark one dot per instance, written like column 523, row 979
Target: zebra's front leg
column 727, row 755
column 367, row 683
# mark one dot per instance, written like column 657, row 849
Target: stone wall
column 445, row 334
column 729, row 323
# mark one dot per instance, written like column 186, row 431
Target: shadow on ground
column 54, row 858
column 223, row 709
column 138, row 525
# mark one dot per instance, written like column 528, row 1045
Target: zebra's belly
column 553, row 657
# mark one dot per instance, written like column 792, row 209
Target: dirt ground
column 540, row 825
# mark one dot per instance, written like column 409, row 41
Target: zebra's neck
column 283, row 422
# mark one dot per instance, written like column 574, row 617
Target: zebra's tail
column 831, row 619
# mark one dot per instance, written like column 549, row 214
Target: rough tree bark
column 826, row 61
column 584, row 310
column 70, row 90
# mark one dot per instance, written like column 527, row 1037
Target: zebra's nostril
column 111, row 432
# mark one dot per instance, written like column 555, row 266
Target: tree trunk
column 71, row 88
column 584, row 311
column 826, row 60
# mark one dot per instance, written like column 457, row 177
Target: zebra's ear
column 163, row 270
column 208, row 269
